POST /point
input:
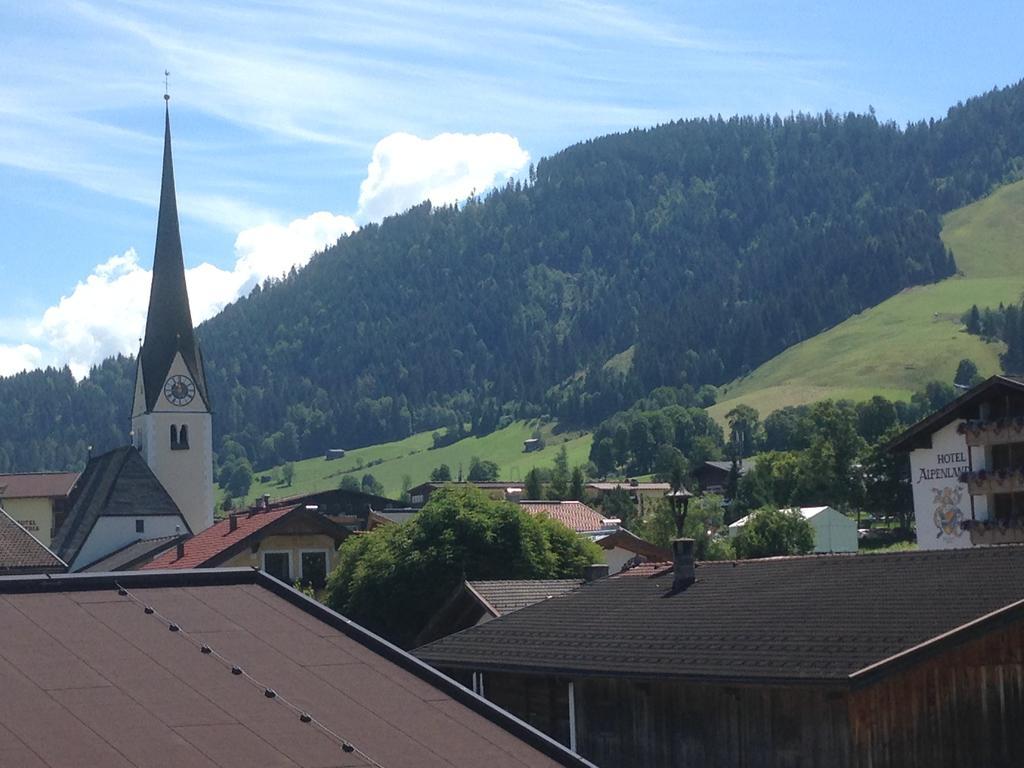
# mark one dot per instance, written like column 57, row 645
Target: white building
column 967, row 468
column 833, row 531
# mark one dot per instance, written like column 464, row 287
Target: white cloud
column 18, row 358
column 406, row 170
column 106, row 313
column 103, row 315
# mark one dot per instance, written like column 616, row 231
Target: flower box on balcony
column 980, row 432
column 994, row 531
column 984, row 482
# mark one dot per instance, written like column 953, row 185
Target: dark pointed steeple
column 169, row 322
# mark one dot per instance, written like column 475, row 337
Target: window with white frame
column 314, row 568
column 278, row 565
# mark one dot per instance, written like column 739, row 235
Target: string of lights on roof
column 305, row 717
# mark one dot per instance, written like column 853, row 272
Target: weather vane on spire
column 167, row 96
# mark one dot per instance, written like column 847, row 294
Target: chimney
column 232, row 522
column 595, row 571
column 180, row 553
column 683, row 567
column 266, row 501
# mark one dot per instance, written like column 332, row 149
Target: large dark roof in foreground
column 90, row 679
column 819, row 618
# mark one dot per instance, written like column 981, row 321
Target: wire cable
column 270, row 693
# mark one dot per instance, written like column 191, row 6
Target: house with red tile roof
column 574, row 515
column 294, row 543
column 223, row 668
column 37, row 500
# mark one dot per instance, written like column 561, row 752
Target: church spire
column 169, row 321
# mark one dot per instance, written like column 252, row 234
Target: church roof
column 169, row 321
column 115, row 483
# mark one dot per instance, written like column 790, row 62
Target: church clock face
column 180, row 390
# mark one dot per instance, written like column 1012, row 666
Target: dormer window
column 179, row 437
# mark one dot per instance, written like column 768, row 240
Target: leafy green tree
column 875, row 417
column 238, row 479
column 972, row 321
column 966, row 374
column 744, row 430
column 369, row 484
column 288, row 472
column 577, row 483
column 393, row 579
column 534, row 485
column 887, row 479
column 705, row 525
column 482, row 470
column 441, row 474
column 350, row 483
column 772, row 532
column 559, row 488
column 618, row 504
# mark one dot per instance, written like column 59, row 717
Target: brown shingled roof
column 90, row 678
column 799, row 619
column 34, row 485
column 510, row 595
column 21, row 552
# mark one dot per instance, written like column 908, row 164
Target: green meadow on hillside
column 893, row 349
column 389, row 463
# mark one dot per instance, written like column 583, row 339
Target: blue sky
column 295, row 122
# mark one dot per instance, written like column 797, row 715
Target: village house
column 967, row 468
column 624, row 549
column 497, row 490
column 226, row 668
column 574, row 515
column 23, row 553
column 713, row 476
column 833, row 531
column 775, row 662
column 476, row 602
column 291, row 543
column 37, row 500
column 642, row 494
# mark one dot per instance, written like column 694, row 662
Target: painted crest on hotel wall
column 948, row 514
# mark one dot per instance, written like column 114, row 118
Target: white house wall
column 112, row 533
column 941, row 501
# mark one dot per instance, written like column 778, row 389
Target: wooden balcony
column 993, row 532
column 982, row 432
column 983, row 482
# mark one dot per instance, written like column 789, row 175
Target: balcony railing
column 980, row 432
column 984, row 481
column 995, row 532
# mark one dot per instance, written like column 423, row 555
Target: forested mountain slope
column 706, row 246
column 894, row 348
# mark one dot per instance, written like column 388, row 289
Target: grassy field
column 389, row 463
column 893, row 349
